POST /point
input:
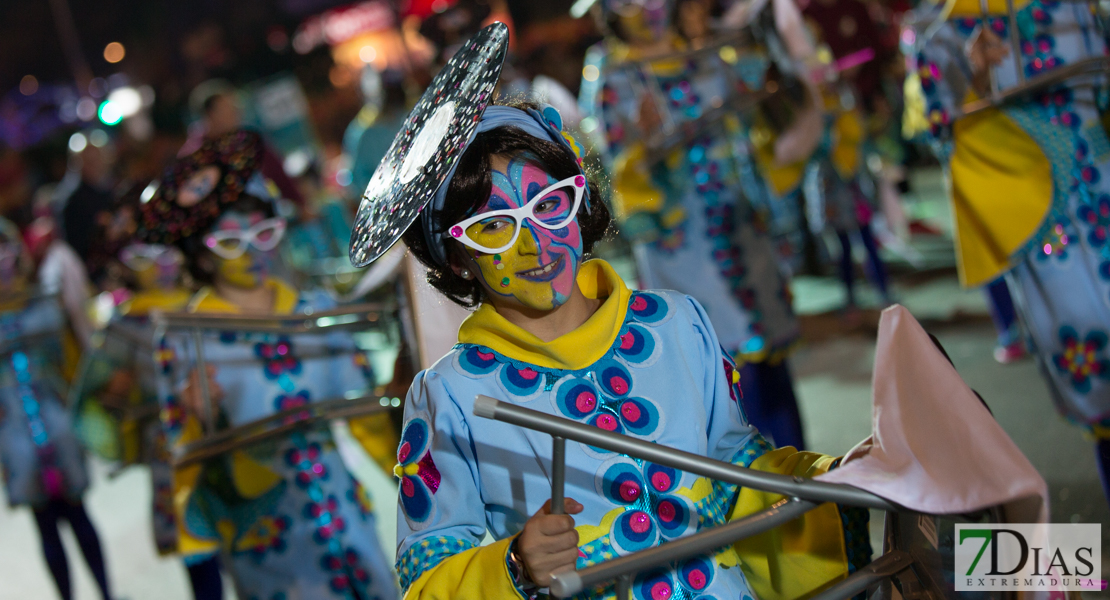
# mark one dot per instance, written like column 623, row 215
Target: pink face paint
column 540, row 269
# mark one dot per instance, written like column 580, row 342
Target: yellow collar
column 973, row 8
column 575, row 350
column 143, row 302
column 206, row 300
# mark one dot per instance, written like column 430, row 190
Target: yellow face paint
column 539, row 271
column 251, row 269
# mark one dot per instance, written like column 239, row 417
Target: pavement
column 832, row 371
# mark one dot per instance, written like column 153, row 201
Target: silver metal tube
column 202, row 376
column 558, row 473
column 881, row 568
column 797, row 487
column 567, row 583
column 348, row 318
column 624, row 588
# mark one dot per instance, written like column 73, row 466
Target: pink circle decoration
column 697, row 579
column 607, row 422
column 629, row 491
column 580, row 181
column 585, row 402
column 456, row 231
column 640, row 522
column 661, row 591
column 630, row 411
column 666, row 511
column 661, row 481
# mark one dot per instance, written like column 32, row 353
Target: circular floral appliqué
column 654, row 585
column 521, row 382
column 648, row 308
column 613, row 377
column 652, row 509
column 696, row 574
column 476, row 360
column 417, row 471
column 636, row 345
column 575, row 398
column 607, row 406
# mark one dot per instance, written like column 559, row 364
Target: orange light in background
column 367, row 54
column 340, row 76
column 28, row 85
column 114, row 52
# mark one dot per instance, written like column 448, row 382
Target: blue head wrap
column 545, row 124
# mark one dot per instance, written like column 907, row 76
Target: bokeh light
column 109, row 113
column 28, row 85
column 114, row 52
column 77, row 142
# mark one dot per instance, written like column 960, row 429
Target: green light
column 109, row 113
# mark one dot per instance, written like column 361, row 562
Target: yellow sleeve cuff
column 800, row 557
column 477, row 574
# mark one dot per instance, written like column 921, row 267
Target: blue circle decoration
column 635, row 344
column 696, row 574
column 654, row 585
column 647, row 307
column 673, row 516
column 639, row 416
column 621, row 482
column 521, row 382
column 662, row 479
column 615, row 380
column 477, row 360
column 633, row 531
column 576, row 398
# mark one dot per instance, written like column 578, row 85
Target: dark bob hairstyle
column 470, row 189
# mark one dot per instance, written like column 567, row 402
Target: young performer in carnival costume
column 1030, row 180
column 290, row 519
column 689, row 211
column 41, row 459
column 116, row 395
column 495, row 203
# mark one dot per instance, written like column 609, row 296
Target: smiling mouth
column 545, row 273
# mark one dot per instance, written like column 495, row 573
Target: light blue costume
column 1061, row 281
column 464, row 476
column 40, row 456
column 302, row 526
column 704, row 236
column 707, row 240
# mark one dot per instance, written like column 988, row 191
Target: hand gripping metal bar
column 568, row 583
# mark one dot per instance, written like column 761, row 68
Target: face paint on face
column 153, row 266
column 540, row 270
column 250, row 270
column 644, row 21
